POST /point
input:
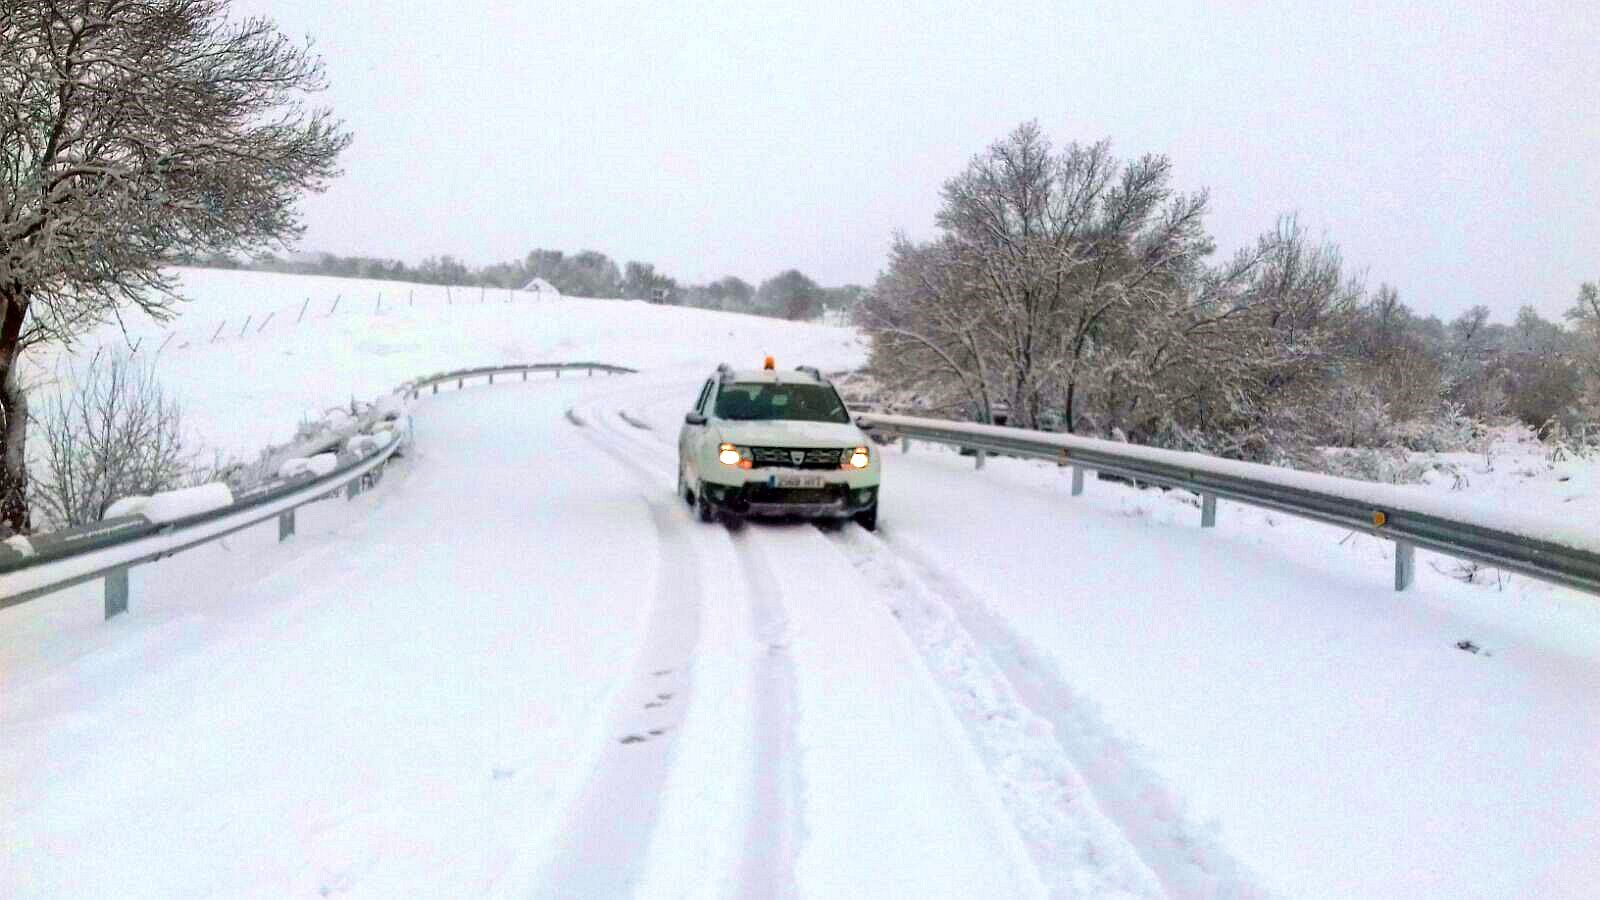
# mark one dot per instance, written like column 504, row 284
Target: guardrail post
column 285, row 525
column 436, row 387
column 1077, row 481
column 491, row 378
column 1208, row 510
column 458, row 383
column 116, row 592
column 1405, row 564
column 524, row 374
column 979, row 457
column 905, row 443
column 352, row 489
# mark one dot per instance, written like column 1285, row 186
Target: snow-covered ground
column 251, row 386
column 520, row 667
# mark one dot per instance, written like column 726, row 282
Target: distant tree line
column 587, row 273
column 1075, row 291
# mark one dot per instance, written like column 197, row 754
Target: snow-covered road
column 520, row 668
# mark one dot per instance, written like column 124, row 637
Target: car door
column 691, row 436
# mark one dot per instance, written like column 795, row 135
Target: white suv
column 770, row 443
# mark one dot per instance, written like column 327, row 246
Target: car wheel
column 684, row 494
column 868, row 518
column 703, row 509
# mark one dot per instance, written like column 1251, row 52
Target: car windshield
column 775, row 402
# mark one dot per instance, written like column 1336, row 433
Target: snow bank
column 318, row 465
column 368, row 444
column 173, row 505
column 127, row 506
column 390, row 406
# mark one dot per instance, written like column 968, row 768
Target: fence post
column 1405, row 564
column 978, row 457
column 491, row 378
column 458, row 383
column 379, row 308
column 214, row 334
column 436, row 387
column 905, row 443
column 352, row 489
column 246, row 325
column 1077, row 481
column 335, row 305
column 448, row 301
column 411, row 298
column 116, row 592
column 285, row 525
column 524, row 374
column 265, row 321
column 1208, row 510
column 303, row 307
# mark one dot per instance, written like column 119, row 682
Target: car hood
column 791, row 434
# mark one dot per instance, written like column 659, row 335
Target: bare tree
column 111, row 432
column 131, row 131
column 1042, row 254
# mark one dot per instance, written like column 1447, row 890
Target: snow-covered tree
column 132, row 131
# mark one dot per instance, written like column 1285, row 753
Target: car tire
column 703, row 509
column 868, row 518
column 684, row 494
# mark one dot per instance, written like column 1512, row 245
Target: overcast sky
column 1451, row 149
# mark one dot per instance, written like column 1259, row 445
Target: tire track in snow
column 772, row 831
column 609, row 826
column 1062, row 772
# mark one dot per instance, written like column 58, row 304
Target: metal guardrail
column 461, row 376
column 1539, row 548
column 108, row 549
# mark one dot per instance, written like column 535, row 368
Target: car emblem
column 798, row 456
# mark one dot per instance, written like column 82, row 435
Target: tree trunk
column 13, row 419
column 1072, row 393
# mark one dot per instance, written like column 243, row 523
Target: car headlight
column 732, row 455
column 859, row 458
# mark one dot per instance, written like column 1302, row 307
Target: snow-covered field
column 520, row 667
column 253, row 384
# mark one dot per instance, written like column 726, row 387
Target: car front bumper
column 761, row 498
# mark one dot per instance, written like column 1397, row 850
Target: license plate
column 798, row 481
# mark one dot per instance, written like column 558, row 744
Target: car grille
column 782, row 456
column 760, row 493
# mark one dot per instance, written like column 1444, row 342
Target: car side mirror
column 694, row 418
